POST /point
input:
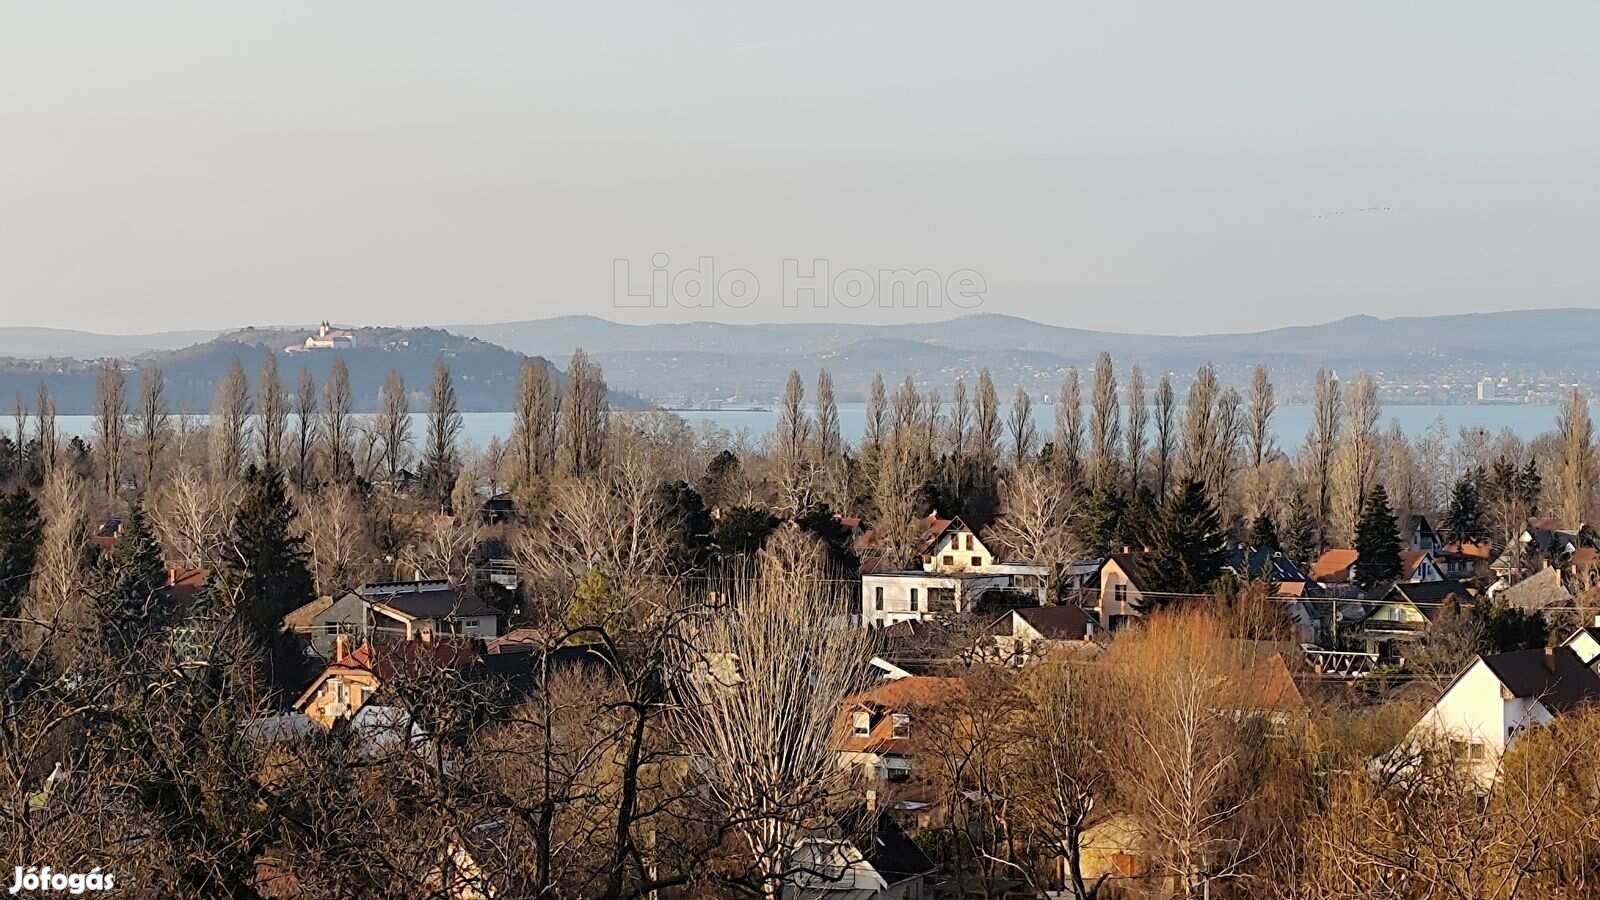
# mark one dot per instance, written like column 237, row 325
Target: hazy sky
column 1143, row 166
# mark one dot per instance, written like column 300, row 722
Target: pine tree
column 1264, row 533
column 1300, row 532
column 1464, row 519
column 19, row 547
column 1187, row 545
column 1377, row 541
column 267, row 569
column 1103, row 524
column 133, row 576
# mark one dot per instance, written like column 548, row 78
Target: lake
column 1290, row 423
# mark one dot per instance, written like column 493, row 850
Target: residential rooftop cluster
column 297, row 652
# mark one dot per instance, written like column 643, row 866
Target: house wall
column 897, row 588
column 958, row 551
column 1117, row 607
column 1477, row 711
column 1587, row 648
column 340, row 694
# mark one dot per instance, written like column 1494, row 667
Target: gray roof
column 1555, row 676
column 427, row 600
column 1538, row 591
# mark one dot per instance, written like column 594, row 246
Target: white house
column 1502, row 695
column 326, row 338
column 870, row 860
column 414, row 607
column 957, row 570
column 1024, row 634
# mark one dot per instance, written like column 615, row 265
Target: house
column 1405, row 614
column 1545, row 541
column 1249, row 564
column 407, row 609
column 346, row 684
column 870, row 858
column 1121, row 597
column 1024, row 634
column 877, row 725
column 957, row 572
column 1586, row 643
column 1464, row 559
column 1418, row 534
column 1500, row 696
column 1335, row 569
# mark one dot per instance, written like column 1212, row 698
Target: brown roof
column 1554, row 676
column 1409, row 561
column 1271, row 686
column 902, row 695
column 1334, row 565
column 1478, row 550
column 1056, row 623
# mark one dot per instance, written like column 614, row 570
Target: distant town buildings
column 326, row 338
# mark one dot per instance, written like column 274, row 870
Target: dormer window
column 902, row 725
column 862, row 723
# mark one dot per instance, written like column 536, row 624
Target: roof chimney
column 1550, row 659
column 341, row 647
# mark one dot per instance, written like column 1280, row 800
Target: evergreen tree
column 1377, row 541
column 1102, row 524
column 722, row 478
column 1264, row 533
column 1299, row 538
column 1463, row 520
column 690, row 526
column 132, row 579
column 268, row 566
column 1528, row 486
column 1187, row 545
column 19, row 546
column 744, row 529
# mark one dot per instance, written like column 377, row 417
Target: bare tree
column 45, row 414
column 792, row 448
column 393, row 424
column 1165, row 438
column 532, row 438
column 338, row 537
column 1262, row 406
column 1138, row 417
column 829, row 442
column 441, row 459
column 193, row 516
column 445, row 548
column 336, row 429
column 908, row 411
column 1068, row 446
column 1200, row 425
column 154, row 422
column 230, row 423
column 986, row 425
column 877, row 412
column 110, row 423
column 19, row 418
column 960, row 419
column 1019, row 422
column 1576, row 430
column 1035, row 523
column 272, row 408
column 1105, row 423
column 56, row 600
column 584, row 416
column 305, row 426
column 1356, row 463
column 761, row 715
column 1321, row 445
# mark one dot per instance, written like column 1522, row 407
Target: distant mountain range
column 700, row 361
column 708, row 359
column 485, row 375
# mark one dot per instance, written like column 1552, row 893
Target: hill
column 485, row 374
column 705, row 359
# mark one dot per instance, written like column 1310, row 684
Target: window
column 949, row 560
column 968, row 539
column 897, row 774
column 977, row 561
column 902, row 725
column 877, row 598
column 1118, row 622
column 879, row 623
column 1120, row 593
column 861, row 723
column 913, row 599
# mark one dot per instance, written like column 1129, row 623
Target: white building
column 1501, row 696
column 957, row 570
column 326, row 338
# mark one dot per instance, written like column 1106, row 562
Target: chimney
column 872, row 800
column 1550, row 659
column 341, row 647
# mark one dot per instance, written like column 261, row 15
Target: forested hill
column 485, row 374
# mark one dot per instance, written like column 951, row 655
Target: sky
column 1160, row 167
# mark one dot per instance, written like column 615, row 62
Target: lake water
column 1290, row 423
